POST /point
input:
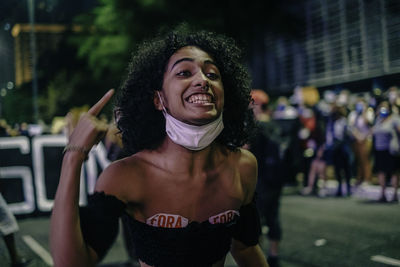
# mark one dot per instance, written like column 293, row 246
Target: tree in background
column 88, row 63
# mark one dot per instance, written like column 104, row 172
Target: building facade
column 342, row 41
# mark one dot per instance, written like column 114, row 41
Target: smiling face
column 192, row 87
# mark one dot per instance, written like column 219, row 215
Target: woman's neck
column 177, row 158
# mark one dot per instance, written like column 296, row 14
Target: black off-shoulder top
column 197, row 244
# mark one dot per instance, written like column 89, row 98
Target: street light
column 32, row 43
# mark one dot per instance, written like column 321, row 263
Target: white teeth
column 199, row 98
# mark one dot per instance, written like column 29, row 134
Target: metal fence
column 341, row 41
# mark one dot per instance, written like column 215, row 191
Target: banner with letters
column 30, row 171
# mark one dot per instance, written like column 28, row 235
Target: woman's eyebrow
column 191, row 60
column 180, row 60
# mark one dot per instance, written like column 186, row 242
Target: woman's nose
column 206, row 86
column 202, row 81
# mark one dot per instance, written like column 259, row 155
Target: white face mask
column 192, row 137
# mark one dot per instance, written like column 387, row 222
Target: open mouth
column 200, row 99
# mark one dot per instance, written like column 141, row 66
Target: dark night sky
column 49, row 11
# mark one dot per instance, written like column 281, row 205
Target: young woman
column 186, row 189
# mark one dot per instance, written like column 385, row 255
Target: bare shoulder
column 247, row 161
column 248, row 172
column 123, row 179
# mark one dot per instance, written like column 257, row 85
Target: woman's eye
column 213, row 76
column 183, row 73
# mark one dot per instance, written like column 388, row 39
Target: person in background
column 285, row 116
column 396, row 151
column 317, row 171
column 383, row 131
column 341, row 150
column 72, row 118
column 393, row 97
column 310, row 138
column 284, row 110
column 23, row 129
column 3, row 128
column 265, row 145
column 8, row 228
column 359, row 129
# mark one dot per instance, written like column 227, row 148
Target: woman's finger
column 98, row 125
column 95, row 110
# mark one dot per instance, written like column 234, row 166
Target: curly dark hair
column 143, row 126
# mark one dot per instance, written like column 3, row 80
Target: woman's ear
column 157, row 101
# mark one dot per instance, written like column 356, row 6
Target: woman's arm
column 66, row 241
column 248, row 255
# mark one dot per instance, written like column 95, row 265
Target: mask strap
column 161, row 101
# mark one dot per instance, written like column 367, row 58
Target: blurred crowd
column 356, row 134
column 59, row 125
column 64, row 126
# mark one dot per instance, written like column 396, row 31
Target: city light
column 10, row 85
column 3, row 92
column 31, row 8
